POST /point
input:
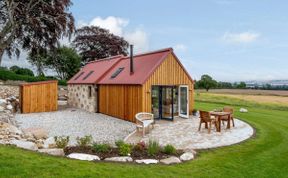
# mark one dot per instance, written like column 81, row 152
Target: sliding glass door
column 163, row 102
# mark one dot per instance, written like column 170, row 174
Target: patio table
column 218, row 116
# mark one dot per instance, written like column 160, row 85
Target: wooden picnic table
column 218, row 115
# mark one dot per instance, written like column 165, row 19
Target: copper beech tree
column 33, row 24
column 96, row 43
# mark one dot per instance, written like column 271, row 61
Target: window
column 117, row 72
column 89, row 91
column 79, row 75
column 88, row 75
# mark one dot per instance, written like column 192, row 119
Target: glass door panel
column 167, row 102
column 183, row 101
column 155, row 101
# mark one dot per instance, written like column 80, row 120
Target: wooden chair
column 231, row 111
column 206, row 118
column 144, row 120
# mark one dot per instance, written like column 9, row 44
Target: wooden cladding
column 125, row 101
column 39, row 97
column 170, row 72
column 121, row 101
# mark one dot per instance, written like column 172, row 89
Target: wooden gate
column 39, row 96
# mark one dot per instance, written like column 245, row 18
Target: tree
column 64, row 60
column 97, row 43
column 207, row 82
column 21, row 71
column 33, row 24
column 241, row 85
column 38, row 60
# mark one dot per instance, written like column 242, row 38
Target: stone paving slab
column 184, row 134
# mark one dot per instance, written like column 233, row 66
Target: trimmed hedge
column 9, row 75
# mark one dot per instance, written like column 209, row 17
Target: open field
column 265, row 99
column 257, row 98
column 248, row 92
column 262, row 156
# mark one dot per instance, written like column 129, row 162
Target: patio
column 184, row 134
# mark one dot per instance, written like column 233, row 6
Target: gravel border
column 76, row 122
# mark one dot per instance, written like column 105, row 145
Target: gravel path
column 76, row 122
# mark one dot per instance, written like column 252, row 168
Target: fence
column 39, row 96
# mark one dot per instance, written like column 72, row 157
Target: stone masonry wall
column 78, row 96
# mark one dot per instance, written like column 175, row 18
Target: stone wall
column 78, row 96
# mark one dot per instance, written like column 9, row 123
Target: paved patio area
column 184, row 134
column 75, row 122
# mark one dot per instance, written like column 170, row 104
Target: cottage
column 122, row 86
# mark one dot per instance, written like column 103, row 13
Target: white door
column 183, row 101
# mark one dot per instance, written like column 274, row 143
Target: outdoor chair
column 144, row 120
column 206, row 118
column 230, row 110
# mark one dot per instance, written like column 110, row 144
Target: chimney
column 131, row 60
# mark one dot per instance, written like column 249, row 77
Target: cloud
column 119, row 26
column 180, row 47
column 244, row 37
column 114, row 24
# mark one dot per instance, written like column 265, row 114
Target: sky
column 231, row 40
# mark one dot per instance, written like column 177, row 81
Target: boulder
column 243, row 110
column 120, row 159
column 82, row 156
column 53, row 151
column 2, row 102
column 24, row 144
column 38, row 133
column 1, row 108
column 170, row 160
column 49, row 143
column 10, row 107
column 187, row 156
column 147, row 161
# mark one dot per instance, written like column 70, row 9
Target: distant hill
column 273, row 83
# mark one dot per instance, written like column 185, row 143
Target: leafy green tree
column 33, row 24
column 21, row 71
column 65, row 61
column 14, row 68
column 38, row 60
column 207, row 82
column 241, row 85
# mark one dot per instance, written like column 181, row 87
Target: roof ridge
column 107, row 58
column 151, row 52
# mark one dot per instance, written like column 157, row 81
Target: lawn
column 265, row 155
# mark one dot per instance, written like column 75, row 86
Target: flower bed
column 114, row 152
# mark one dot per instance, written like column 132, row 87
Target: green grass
column 265, row 155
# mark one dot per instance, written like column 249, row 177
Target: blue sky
column 231, row 40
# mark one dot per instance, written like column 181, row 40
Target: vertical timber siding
column 39, row 97
column 121, row 101
column 169, row 72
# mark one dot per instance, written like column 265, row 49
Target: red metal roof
column 99, row 68
column 144, row 66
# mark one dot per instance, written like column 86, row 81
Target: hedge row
column 9, row 75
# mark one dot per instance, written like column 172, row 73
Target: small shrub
column 140, row 146
column 101, row 148
column 118, row 143
column 125, row 149
column 61, row 141
column 169, row 149
column 84, row 141
column 153, row 148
